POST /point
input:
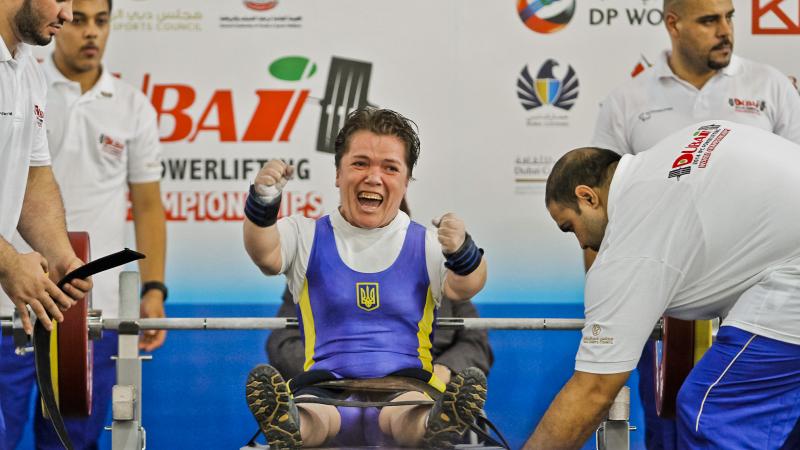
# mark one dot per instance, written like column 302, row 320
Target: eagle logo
column 546, row 89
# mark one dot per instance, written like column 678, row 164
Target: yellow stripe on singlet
column 437, row 383
column 425, row 326
column 308, row 326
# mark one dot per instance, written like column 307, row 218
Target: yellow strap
column 53, row 365
column 437, row 383
column 702, row 338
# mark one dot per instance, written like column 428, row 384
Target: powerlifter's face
column 372, row 179
column 702, row 33
column 37, row 21
column 80, row 46
column 588, row 223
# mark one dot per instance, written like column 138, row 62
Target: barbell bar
column 96, row 323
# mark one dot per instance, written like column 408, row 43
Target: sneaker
column 271, row 403
column 456, row 409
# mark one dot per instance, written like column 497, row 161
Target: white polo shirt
column 100, row 141
column 23, row 142
column 647, row 108
column 714, row 234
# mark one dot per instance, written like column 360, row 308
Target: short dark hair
column 673, row 5
column 588, row 166
column 382, row 122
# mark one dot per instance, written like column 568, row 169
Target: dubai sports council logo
column 546, row 16
column 546, row 89
column 260, row 5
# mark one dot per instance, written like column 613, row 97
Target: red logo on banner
column 260, row 5
column 640, row 67
column 273, row 119
column 773, row 9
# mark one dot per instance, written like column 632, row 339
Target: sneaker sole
column 461, row 402
column 268, row 398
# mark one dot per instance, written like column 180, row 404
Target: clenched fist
column 271, row 179
column 451, row 232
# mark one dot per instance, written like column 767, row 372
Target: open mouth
column 369, row 199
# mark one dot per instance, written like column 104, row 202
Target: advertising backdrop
column 500, row 89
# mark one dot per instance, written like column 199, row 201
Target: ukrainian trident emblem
column 368, row 296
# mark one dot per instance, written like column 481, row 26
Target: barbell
column 682, row 342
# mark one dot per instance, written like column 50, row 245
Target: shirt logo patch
column 647, row 115
column 111, row 146
column 596, row 339
column 747, row 106
column 697, row 152
column 38, row 114
column 368, row 296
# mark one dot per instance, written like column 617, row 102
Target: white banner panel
column 500, row 89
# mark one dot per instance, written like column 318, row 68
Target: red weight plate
column 75, row 348
column 674, row 363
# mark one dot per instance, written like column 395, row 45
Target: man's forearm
column 7, row 257
column 150, row 228
column 42, row 223
column 576, row 411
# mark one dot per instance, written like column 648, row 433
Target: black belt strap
column 478, row 426
column 117, row 259
column 41, row 339
column 360, row 404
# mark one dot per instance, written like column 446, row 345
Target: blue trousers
column 743, row 394
column 659, row 434
column 18, row 381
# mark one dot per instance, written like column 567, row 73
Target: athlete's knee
column 406, row 423
column 318, row 423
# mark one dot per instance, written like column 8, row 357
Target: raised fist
column 271, row 179
column 451, row 232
